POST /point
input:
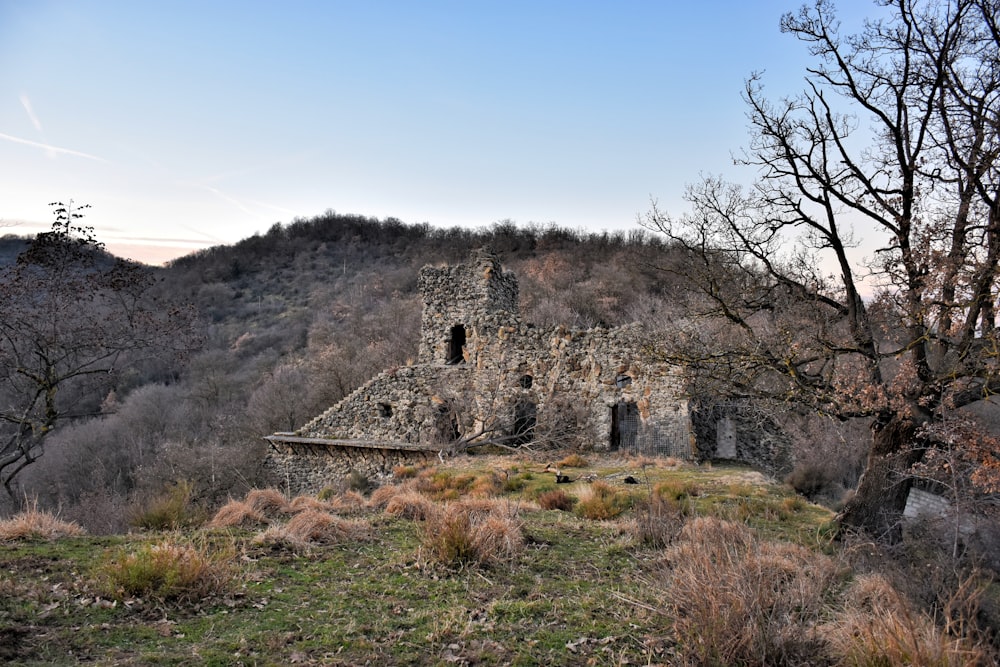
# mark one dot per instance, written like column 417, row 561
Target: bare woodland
column 894, row 138
column 120, row 382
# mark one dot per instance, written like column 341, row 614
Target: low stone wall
column 309, row 473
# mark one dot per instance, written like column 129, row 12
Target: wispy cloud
column 26, row 103
column 235, row 202
column 50, row 148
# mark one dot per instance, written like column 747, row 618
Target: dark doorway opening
column 447, row 424
column 456, row 344
column 525, row 418
column 624, row 425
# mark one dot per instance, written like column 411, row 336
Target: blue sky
column 189, row 124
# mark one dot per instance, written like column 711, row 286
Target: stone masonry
column 484, row 375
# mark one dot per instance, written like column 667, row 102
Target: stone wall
column 737, row 430
column 401, row 404
column 483, row 373
column 298, row 473
column 462, row 296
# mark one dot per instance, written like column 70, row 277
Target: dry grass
column 877, row 626
column 735, row 599
column 410, row 505
column 573, row 461
column 167, row 571
column 381, row 496
column 269, row 502
column 444, row 485
column 312, row 527
column 34, row 524
column 302, row 503
column 348, row 503
column 657, row 522
column 556, row 499
column 323, row 528
column 237, row 513
column 465, row 534
column 600, row 501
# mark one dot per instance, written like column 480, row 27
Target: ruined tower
column 457, row 299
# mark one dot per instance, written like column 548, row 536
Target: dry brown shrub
column 878, row 626
column 556, row 499
column 302, row 503
column 487, row 485
column 474, row 533
column 319, row 527
column 736, row 599
column 497, row 538
column 410, row 505
column 657, row 522
column 35, row 524
column 404, row 472
column 236, row 513
column 573, row 461
column 600, row 501
column 348, row 502
column 168, row 571
column 381, row 496
column 269, row 502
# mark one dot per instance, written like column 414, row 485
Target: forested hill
column 291, row 321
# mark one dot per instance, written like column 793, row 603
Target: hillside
column 293, row 320
column 485, row 561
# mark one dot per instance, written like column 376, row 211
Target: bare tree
column 71, row 319
column 895, row 135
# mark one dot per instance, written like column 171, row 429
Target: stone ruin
column 484, row 376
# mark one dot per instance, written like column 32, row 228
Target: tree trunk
column 878, row 504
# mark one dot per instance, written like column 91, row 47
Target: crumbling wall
column 463, row 295
column 738, row 430
column 298, row 473
column 511, row 381
column 401, row 404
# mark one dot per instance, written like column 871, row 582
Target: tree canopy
column 72, row 318
column 894, row 137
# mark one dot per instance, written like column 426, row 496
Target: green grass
column 578, row 593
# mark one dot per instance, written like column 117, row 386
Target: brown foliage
column 33, row 524
column 237, row 514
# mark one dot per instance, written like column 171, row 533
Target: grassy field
column 452, row 565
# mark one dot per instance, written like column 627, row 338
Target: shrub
column 236, row 514
column 404, row 472
column 556, row 499
column 410, row 505
column 735, row 599
column 269, row 502
column 573, row 461
column 34, row 524
column 466, row 534
column 171, row 510
column 167, row 571
column 658, row 522
column 879, row 627
column 315, row 526
column 357, row 481
column 602, row 502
